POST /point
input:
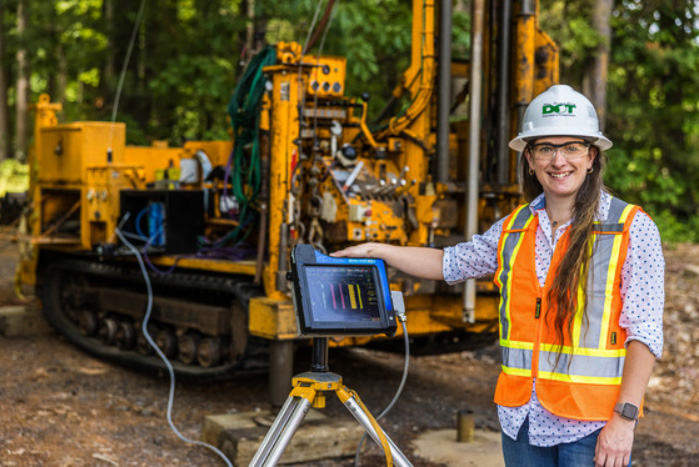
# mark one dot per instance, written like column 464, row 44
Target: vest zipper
column 539, row 301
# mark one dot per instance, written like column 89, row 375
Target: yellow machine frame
column 79, row 170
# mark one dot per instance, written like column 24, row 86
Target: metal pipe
column 524, row 59
column 502, row 131
column 281, row 370
column 261, row 244
column 475, row 95
column 464, row 426
column 443, row 92
column 282, row 266
column 319, row 361
column 524, row 54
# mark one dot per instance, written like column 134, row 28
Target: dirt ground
column 61, row 407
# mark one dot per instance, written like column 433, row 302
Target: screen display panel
column 343, row 294
column 340, row 296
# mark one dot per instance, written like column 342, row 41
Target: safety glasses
column 570, row 151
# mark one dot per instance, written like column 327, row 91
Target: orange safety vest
column 584, row 385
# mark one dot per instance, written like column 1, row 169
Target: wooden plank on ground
column 20, row 321
column 214, row 425
column 317, row 438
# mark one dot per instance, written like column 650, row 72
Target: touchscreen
column 343, row 294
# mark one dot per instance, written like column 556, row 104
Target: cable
column 136, row 27
column 153, row 267
column 310, row 30
column 302, row 91
column 144, row 329
column 244, row 111
column 137, row 223
column 401, row 318
column 320, row 51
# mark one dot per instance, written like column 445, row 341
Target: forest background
column 189, row 53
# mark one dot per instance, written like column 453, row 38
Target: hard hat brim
column 520, row 142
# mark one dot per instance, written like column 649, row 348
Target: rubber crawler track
column 126, row 275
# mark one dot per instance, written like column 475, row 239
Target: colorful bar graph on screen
column 350, row 290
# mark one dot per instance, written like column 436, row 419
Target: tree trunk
column 4, row 114
column 243, row 38
column 22, row 84
column 109, row 80
column 62, row 75
column 144, row 41
column 250, row 27
column 595, row 81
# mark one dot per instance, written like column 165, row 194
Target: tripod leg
column 287, row 433
column 364, row 418
column 281, row 432
column 271, row 436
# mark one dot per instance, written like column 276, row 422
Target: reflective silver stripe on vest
column 616, row 210
column 598, row 274
column 581, row 365
column 596, row 290
column 516, row 358
column 609, row 227
column 613, row 222
column 521, row 219
column 508, row 249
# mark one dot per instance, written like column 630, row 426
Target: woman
column 581, row 282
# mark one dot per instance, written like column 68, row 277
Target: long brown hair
column 573, row 269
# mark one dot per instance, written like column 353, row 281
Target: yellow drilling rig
column 303, row 166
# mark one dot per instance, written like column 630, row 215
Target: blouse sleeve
column 643, row 285
column 476, row 258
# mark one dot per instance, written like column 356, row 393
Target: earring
column 531, row 172
column 590, row 170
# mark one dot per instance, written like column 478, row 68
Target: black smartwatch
column 627, row 411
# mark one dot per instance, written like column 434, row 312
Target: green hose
column 244, row 110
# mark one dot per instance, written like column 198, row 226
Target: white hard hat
column 560, row 111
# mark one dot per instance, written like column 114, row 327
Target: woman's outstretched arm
column 425, row 263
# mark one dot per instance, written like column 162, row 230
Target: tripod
column 309, row 389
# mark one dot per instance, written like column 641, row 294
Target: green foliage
column 568, row 23
column 652, row 101
column 180, row 76
column 188, row 55
column 135, row 134
column 653, row 111
column 460, row 33
column 675, row 230
column 374, row 36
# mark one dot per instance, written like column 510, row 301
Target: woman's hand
column 425, row 263
column 616, row 438
column 365, row 250
column 614, row 443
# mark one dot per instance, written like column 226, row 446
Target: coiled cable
column 401, row 318
column 171, row 371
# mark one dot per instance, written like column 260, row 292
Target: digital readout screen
column 343, row 294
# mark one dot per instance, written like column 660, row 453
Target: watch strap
column 627, row 410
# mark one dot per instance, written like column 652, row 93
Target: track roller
column 209, row 353
column 167, row 342
column 144, row 348
column 125, row 336
column 88, row 323
column 107, row 331
column 187, row 348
